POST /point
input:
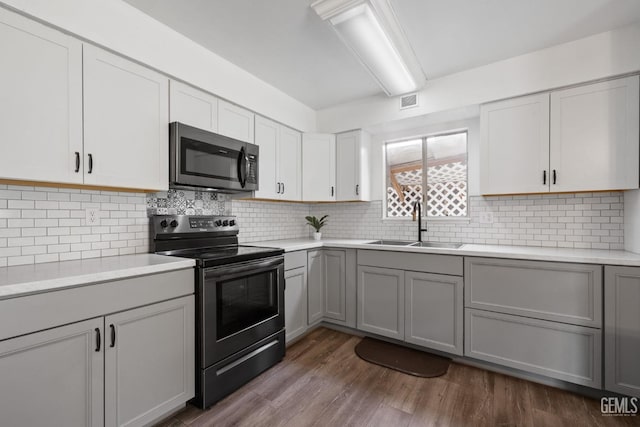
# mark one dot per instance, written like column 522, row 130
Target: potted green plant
column 317, row 224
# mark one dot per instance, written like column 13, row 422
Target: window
column 443, row 187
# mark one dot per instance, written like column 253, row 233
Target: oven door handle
column 244, row 267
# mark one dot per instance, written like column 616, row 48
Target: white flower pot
column 317, row 236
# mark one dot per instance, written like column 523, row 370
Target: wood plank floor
column 321, row 382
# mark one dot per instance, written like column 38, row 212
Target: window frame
column 423, row 138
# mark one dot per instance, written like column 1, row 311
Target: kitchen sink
column 391, row 243
column 437, row 245
column 417, row 244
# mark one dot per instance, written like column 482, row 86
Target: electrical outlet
column 486, row 217
column 92, row 216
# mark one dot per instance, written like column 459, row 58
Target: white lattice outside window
column 445, row 157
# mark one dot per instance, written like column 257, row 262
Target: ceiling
column 284, row 42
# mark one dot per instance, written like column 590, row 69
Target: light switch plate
column 486, row 217
column 92, row 216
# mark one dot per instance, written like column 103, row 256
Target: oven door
column 205, row 159
column 240, row 304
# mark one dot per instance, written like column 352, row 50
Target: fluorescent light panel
column 371, row 30
column 360, row 30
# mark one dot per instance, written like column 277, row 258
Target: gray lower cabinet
column 434, row 311
column 331, row 286
column 557, row 350
column 295, row 302
column 622, row 330
column 556, row 291
column 540, row 317
column 335, row 284
column 381, row 301
column 315, row 291
column 149, row 361
column 54, row 377
column 125, row 369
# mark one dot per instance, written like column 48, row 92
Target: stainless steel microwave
column 203, row 159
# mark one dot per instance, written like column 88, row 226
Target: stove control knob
column 232, row 222
column 163, row 223
column 218, row 223
column 174, row 223
column 225, row 223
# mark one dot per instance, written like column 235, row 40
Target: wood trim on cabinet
column 77, row 186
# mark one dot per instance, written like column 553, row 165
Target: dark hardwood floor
column 321, row 382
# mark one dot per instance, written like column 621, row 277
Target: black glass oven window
column 246, row 301
column 202, row 159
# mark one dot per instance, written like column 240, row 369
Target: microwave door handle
column 242, row 167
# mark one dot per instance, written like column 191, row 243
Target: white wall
column 602, row 55
column 119, row 26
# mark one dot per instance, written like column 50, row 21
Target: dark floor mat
column 407, row 360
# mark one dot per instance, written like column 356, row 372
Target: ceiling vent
column 409, row 101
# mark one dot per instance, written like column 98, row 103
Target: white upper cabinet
column 41, row 107
column 318, row 167
column 514, row 146
column 594, row 136
column 290, row 164
column 280, row 161
column 583, row 138
column 267, row 137
column 235, row 122
column 126, row 117
column 193, row 107
column 352, row 165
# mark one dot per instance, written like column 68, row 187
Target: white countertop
column 35, row 278
column 584, row 256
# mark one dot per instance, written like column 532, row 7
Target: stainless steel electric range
column 239, row 300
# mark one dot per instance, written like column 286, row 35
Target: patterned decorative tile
column 161, row 203
column 191, row 204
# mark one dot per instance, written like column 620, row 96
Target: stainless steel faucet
column 417, row 208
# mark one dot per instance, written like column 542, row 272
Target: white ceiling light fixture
column 371, row 30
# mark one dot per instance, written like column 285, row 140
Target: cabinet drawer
column 570, row 293
column 295, row 259
column 45, row 310
column 566, row 352
column 427, row 263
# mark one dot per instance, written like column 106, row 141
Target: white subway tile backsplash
column 46, row 224
column 554, row 220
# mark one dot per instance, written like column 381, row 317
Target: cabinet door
column 347, row 165
column 295, row 302
column 434, row 311
column 267, row 137
column 318, row 167
column 235, row 122
column 54, row 377
column 381, row 301
column 193, row 107
column 149, row 361
column 41, row 106
column 557, row 350
column 622, row 330
column 126, row 123
column 335, row 284
column 315, row 279
column 514, row 146
column 594, row 136
column 290, row 163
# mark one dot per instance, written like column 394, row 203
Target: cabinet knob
column 174, row 223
